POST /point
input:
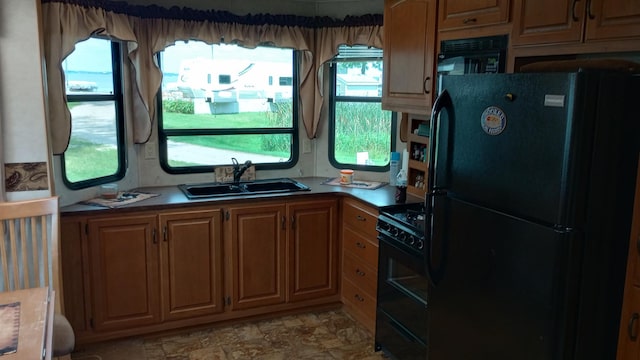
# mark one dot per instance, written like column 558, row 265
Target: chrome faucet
column 238, row 169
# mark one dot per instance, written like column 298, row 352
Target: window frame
column 118, row 99
column 165, row 134
column 333, row 99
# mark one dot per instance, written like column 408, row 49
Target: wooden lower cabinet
column 313, row 249
column 628, row 341
column 282, row 252
column 142, row 272
column 191, row 264
column 124, row 272
column 359, row 261
column 629, row 335
column 256, row 237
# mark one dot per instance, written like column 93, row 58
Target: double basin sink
column 267, row 186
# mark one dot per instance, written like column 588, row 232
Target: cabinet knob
column 361, row 218
column 360, row 245
column 589, row 13
column 632, row 328
column 424, row 85
column 573, row 11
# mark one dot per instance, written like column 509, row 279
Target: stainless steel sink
column 266, row 186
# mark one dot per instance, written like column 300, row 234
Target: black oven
column 401, row 314
column 475, row 55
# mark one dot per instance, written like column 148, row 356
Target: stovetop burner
column 411, row 215
column 403, row 225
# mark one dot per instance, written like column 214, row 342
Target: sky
column 95, row 55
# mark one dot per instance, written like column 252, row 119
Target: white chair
column 29, row 257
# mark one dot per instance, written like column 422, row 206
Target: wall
column 22, row 98
column 22, row 111
column 144, row 171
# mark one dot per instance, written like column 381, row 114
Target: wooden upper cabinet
column 458, row 14
column 409, row 55
column 547, row 21
column 613, row 19
column 562, row 21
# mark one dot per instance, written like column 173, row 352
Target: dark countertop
column 171, row 197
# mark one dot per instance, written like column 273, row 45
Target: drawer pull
column 633, row 330
column 469, row 20
column 360, row 245
column 360, row 273
column 358, row 297
column 361, row 218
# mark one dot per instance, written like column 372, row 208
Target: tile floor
column 316, row 335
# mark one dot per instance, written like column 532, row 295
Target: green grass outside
column 358, row 127
column 86, row 160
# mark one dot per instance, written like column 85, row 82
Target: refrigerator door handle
column 442, row 102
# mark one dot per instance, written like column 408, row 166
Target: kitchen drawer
column 360, row 217
column 360, row 246
column 359, row 273
column 363, row 305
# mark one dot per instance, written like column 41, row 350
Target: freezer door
column 506, row 288
column 512, row 142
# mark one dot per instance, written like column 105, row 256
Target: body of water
column 100, row 82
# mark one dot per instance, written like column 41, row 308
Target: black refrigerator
column 532, row 177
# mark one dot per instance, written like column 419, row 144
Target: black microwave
column 475, row 55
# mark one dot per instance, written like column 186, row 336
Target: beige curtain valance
column 69, row 22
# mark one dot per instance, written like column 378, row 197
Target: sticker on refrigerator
column 493, row 120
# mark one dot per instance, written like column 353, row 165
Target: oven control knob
column 419, row 244
column 411, row 240
column 395, row 231
column 403, row 237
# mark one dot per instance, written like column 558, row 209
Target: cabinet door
column 409, row 50
column 191, row 263
column 457, row 14
column 313, row 249
column 611, row 19
column 628, row 337
column 73, row 260
column 547, row 21
column 123, row 253
column 257, row 237
column 629, row 341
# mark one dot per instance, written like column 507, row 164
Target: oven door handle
column 432, row 239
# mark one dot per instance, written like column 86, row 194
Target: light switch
column 150, row 150
column 306, row 146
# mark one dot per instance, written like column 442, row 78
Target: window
column 362, row 135
column 220, row 102
column 96, row 152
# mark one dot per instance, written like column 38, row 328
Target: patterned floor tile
column 328, row 335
